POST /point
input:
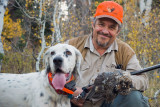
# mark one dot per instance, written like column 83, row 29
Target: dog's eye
column 52, row 53
column 68, row 53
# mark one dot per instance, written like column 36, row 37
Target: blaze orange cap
column 111, row 10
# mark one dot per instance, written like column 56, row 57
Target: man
column 103, row 52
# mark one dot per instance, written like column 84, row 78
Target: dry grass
column 154, row 85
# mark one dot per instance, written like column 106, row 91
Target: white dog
column 34, row 89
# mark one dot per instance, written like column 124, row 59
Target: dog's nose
column 58, row 61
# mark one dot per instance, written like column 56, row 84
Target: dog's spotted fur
column 33, row 89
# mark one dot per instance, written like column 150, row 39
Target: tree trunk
column 3, row 5
column 56, row 24
column 145, row 8
column 57, row 15
column 43, row 43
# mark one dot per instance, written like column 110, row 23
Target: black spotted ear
column 78, row 63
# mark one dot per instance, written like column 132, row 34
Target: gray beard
column 101, row 45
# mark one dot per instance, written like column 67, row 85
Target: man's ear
column 119, row 29
column 94, row 22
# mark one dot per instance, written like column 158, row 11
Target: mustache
column 107, row 35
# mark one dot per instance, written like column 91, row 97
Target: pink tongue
column 59, row 80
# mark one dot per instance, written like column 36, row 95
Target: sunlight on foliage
column 11, row 30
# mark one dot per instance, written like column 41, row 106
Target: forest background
column 31, row 26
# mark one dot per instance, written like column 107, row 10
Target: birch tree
column 3, row 5
column 57, row 19
column 145, row 8
column 42, row 29
column 41, row 21
column 56, row 22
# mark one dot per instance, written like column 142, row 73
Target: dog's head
column 63, row 60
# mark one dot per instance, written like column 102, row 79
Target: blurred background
column 29, row 27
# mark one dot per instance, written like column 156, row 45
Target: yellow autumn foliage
column 11, row 30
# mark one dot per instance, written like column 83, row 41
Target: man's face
column 105, row 32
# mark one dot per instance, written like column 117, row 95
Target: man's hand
column 77, row 91
column 126, row 74
column 77, row 101
column 80, row 95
